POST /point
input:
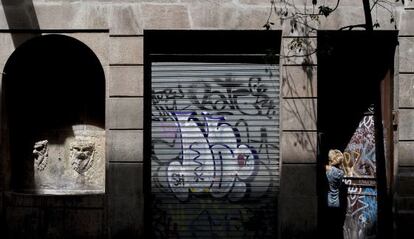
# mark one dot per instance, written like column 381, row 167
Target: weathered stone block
column 125, row 200
column 255, row 2
column 125, row 179
column 343, row 16
column 21, row 200
column 299, row 114
column 17, row 17
column 406, row 54
column 163, row 16
column 406, row 90
column 126, row 50
column 125, row 19
column 405, row 185
column 406, row 24
column 196, row 2
column 84, row 223
column 298, row 217
column 405, row 171
column 106, row 70
column 6, row 49
column 404, row 223
column 406, row 153
column 159, row 1
column 294, row 28
column 214, row 14
column 85, row 201
column 405, row 203
column 330, row 3
column 409, row 4
column 16, row 2
column 53, row 223
column 125, row 113
column 97, row 42
column 75, row 15
column 406, row 129
column 354, row 14
column 228, row 15
column 1, row 204
column 255, row 18
column 54, row 201
column 299, row 81
column 299, row 51
column 289, row 29
column 54, row 1
column 75, row 166
column 298, row 180
column 126, row 81
column 125, row 145
column 299, row 147
column 23, row 222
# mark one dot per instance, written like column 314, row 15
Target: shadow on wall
column 21, row 14
column 54, row 87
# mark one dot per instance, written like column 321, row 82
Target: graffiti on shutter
column 359, row 155
column 215, row 150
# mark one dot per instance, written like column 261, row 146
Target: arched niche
column 54, row 91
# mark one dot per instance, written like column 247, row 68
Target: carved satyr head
column 81, row 154
column 40, row 154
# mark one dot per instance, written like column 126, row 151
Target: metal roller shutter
column 215, row 161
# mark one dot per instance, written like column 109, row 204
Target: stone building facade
column 115, row 32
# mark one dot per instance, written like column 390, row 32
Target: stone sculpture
column 40, row 153
column 82, row 155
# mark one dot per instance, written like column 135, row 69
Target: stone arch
column 54, row 90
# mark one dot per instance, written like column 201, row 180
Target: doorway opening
column 54, row 110
column 355, row 100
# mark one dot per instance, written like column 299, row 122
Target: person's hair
column 335, row 154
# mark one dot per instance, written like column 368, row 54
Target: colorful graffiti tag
column 208, row 164
column 215, row 150
column 361, row 215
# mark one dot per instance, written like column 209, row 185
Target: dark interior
column 52, row 82
column 351, row 66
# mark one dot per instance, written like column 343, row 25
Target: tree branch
column 353, row 26
column 368, row 17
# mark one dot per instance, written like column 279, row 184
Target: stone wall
column 404, row 193
column 114, row 31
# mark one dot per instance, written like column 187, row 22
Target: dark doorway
column 351, row 68
column 51, row 83
column 53, row 88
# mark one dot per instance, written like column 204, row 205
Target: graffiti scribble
column 361, row 216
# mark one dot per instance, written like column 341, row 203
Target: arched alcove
column 54, row 88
